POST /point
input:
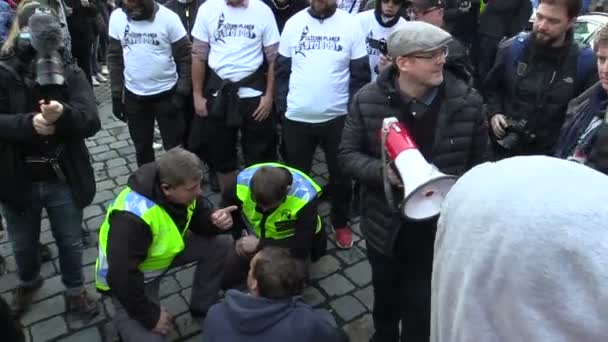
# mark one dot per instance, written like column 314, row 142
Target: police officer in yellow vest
column 279, row 207
column 159, row 221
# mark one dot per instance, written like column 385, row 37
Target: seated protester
column 279, row 207
column 273, row 310
column 160, row 221
column 585, row 133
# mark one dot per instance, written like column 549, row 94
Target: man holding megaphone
column 429, row 125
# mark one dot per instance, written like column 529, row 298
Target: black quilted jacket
column 461, row 140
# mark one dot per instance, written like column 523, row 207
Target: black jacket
column 129, row 239
column 181, row 51
column 81, row 23
column 505, row 18
column 460, row 143
column 79, row 121
column 281, row 15
column 459, row 63
column 186, row 11
column 461, row 24
column 540, row 95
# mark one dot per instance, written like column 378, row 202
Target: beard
column 143, row 11
column 323, row 8
column 545, row 40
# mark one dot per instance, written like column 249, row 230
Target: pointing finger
column 230, row 209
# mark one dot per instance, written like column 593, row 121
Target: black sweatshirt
column 129, row 239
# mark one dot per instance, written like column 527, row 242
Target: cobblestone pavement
column 340, row 280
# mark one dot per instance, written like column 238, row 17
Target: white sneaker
column 100, row 78
column 95, row 83
column 104, row 70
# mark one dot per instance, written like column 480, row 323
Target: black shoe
column 45, row 253
column 213, row 181
column 23, row 298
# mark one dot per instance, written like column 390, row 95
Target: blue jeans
column 66, row 222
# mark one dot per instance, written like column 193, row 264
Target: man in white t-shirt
column 235, row 44
column 149, row 60
column 377, row 25
column 322, row 62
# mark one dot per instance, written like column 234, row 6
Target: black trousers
column 402, row 285
column 301, row 141
column 81, row 50
column 141, row 111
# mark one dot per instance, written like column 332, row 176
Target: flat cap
column 416, row 36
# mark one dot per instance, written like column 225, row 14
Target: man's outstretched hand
column 222, row 218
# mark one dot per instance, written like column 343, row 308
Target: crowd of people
column 520, row 115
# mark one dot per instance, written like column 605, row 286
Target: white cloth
column 521, row 254
column 236, row 38
column 320, row 53
column 146, row 50
column 373, row 30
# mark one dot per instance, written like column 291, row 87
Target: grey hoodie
column 521, row 254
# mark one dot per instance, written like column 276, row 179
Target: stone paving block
column 106, row 185
column 119, row 171
column 46, row 237
column 101, row 197
column 360, row 330
column 44, row 309
column 8, row 282
column 45, row 225
column 87, row 335
column 106, row 141
column 52, row 286
column 360, row 273
column 92, row 211
column 347, row 307
column 186, row 294
column 168, row 286
column 119, row 144
column 185, row 277
column 351, row 255
column 312, row 296
column 126, row 152
column 105, row 155
column 6, row 249
column 336, row 285
column 48, row 330
column 93, row 224
column 186, row 325
column 366, row 296
column 101, row 175
column 362, row 245
column 99, row 149
column 89, row 256
column 89, row 273
column 324, row 267
column 175, row 304
column 121, row 182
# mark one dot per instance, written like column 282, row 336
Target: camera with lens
column 41, row 42
column 518, row 133
column 379, row 45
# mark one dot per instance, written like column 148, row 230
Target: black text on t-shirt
column 225, row 29
column 310, row 42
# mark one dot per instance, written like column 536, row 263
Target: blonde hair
column 9, row 44
column 601, row 38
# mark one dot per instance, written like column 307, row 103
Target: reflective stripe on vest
column 167, row 242
column 280, row 223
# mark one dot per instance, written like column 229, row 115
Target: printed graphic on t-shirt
column 373, row 44
column 312, row 42
column 225, row 29
column 134, row 38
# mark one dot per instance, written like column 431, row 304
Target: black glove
column 117, row 109
column 598, row 159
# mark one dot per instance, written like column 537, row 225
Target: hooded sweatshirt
column 521, row 254
column 246, row 318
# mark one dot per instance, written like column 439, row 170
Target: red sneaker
column 344, row 237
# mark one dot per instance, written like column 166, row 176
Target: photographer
column 535, row 76
column 46, row 112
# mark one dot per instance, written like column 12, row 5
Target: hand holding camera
column 42, row 125
column 51, row 111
